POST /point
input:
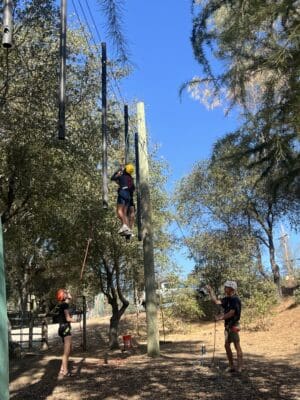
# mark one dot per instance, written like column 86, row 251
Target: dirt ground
column 272, row 365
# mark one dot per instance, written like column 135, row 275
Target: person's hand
column 208, row 288
column 218, row 317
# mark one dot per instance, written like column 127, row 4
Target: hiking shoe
column 230, row 369
column 126, row 233
column 124, row 228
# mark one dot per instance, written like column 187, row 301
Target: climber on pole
column 123, row 177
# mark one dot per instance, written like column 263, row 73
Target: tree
column 50, row 190
column 256, row 45
column 221, row 197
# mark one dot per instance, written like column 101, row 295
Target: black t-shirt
column 232, row 303
column 61, row 318
column 124, row 180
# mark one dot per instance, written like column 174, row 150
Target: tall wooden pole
column 137, row 181
column 104, row 126
column 4, row 366
column 150, row 287
column 62, row 71
column 7, row 26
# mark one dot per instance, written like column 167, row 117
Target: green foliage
column 50, row 190
column 185, row 306
column 257, row 307
column 229, row 215
column 297, row 296
column 180, row 300
column 257, row 45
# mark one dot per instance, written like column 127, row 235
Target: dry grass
column 271, row 357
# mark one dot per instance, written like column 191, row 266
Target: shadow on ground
column 176, row 375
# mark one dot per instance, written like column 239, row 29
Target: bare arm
column 212, row 295
column 68, row 316
column 229, row 314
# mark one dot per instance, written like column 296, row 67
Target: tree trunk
column 114, row 323
column 260, row 266
column 274, row 266
column 113, row 293
column 114, row 326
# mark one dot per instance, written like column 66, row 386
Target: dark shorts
column 231, row 336
column 64, row 330
column 123, row 197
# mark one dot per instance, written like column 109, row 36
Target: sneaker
column 124, row 228
column 230, row 369
column 126, row 233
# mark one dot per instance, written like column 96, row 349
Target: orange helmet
column 61, row 294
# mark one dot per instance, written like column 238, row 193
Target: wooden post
column 4, row 368
column 138, row 194
column 84, row 323
column 44, row 334
column 30, row 330
column 150, row 287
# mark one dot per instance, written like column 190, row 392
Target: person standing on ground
column 123, row 177
column 232, row 306
column 64, row 329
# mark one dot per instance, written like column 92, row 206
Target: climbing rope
column 214, row 346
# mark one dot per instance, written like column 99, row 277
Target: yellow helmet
column 129, row 168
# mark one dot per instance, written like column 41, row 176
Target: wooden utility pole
column 4, row 366
column 137, row 181
column 147, row 237
column 288, row 262
column 62, row 71
column 7, row 26
column 104, row 126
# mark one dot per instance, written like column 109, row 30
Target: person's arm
column 212, row 295
column 116, row 175
column 68, row 316
column 228, row 315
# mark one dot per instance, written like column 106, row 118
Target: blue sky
column 159, row 41
column 158, row 35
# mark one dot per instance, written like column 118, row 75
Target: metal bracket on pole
column 7, row 23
